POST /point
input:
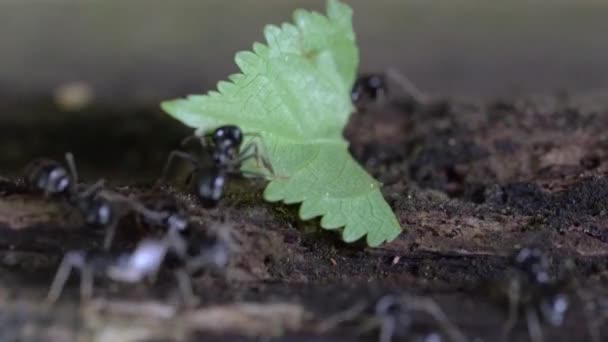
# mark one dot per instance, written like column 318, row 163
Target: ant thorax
column 145, row 261
column 96, row 210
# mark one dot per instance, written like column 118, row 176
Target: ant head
column 210, row 186
column 534, row 263
column 48, row 176
column 227, row 136
column 370, row 86
column 553, row 308
column 376, row 81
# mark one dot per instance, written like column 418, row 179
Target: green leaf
column 294, row 93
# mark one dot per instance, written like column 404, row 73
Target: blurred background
column 114, row 56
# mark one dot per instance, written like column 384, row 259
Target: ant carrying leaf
column 295, row 94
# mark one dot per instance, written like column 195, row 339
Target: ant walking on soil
column 212, row 252
column 534, row 292
column 398, row 316
column 228, row 155
column 143, row 263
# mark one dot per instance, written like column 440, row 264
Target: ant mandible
column 228, row 155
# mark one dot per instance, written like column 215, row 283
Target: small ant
column 396, row 316
column 143, row 263
column 49, row 176
column 375, row 86
column 228, row 155
column 533, row 290
column 213, row 252
column 98, row 207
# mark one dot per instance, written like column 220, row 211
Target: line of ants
column 531, row 291
column 103, row 208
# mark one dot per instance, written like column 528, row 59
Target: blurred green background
column 145, row 50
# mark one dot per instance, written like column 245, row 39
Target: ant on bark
column 97, row 206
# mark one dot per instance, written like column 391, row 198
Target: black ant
column 98, row 207
column 49, row 176
column 213, row 252
column 375, row 86
column 228, row 155
column 396, row 316
column 534, row 291
column 143, row 263
column 369, row 86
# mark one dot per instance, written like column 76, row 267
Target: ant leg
column 430, row 307
column 253, row 174
column 109, row 236
column 176, row 243
column 176, row 154
column 70, row 260
column 93, row 188
column 134, row 205
column 185, row 287
column 590, row 312
column 388, row 321
column 350, row 314
column 408, row 87
column 199, row 138
column 534, row 328
column 514, row 289
column 260, row 156
column 86, row 283
column 69, row 158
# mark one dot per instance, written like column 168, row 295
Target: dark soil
column 470, row 182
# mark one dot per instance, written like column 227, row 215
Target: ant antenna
column 407, row 86
column 172, row 156
column 188, row 139
column 430, row 306
column 69, row 157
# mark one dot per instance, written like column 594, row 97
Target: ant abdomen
column 48, row 176
column 209, row 186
